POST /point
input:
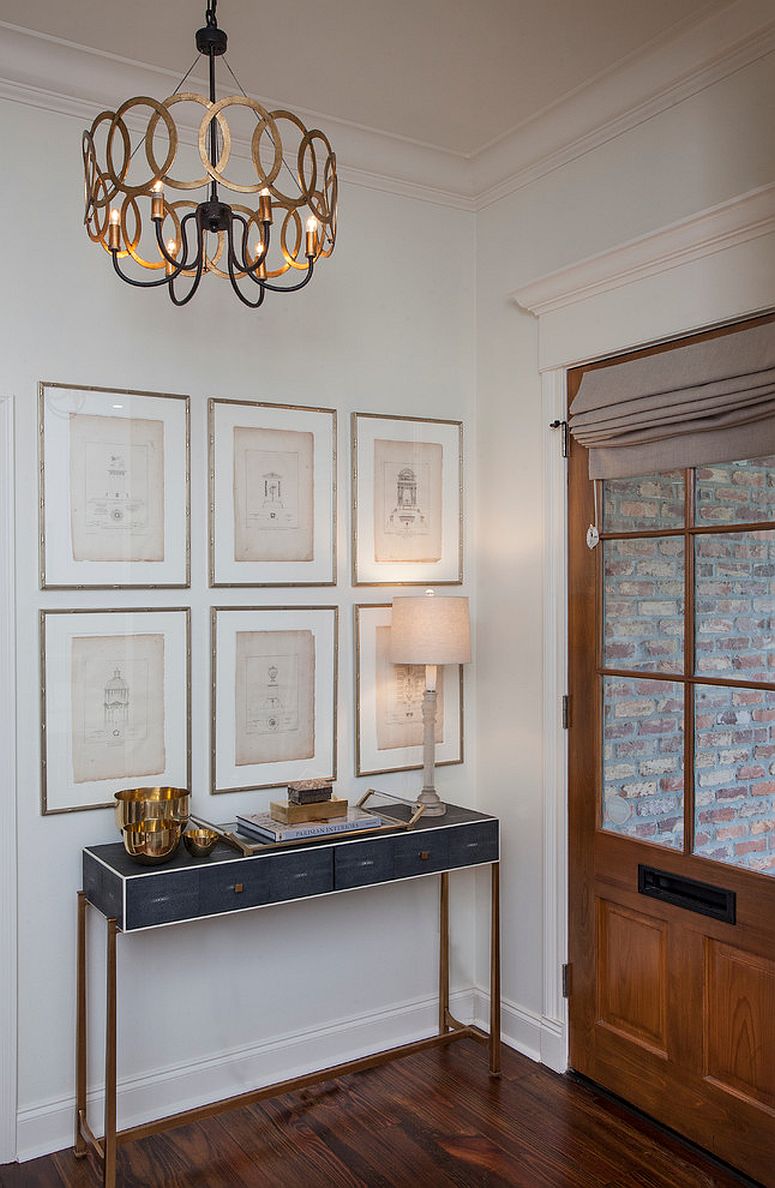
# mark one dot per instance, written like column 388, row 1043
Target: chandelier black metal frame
column 191, row 238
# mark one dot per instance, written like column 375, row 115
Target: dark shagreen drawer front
column 161, row 898
column 364, row 862
column 299, row 873
column 422, row 852
column 233, row 885
column 469, row 844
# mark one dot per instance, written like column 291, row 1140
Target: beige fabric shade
column 430, row 630
column 712, row 401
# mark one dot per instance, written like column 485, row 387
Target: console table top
column 114, row 856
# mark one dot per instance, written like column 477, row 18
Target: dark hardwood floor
column 433, row 1119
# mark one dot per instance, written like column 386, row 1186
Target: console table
column 133, row 898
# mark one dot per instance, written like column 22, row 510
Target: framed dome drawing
column 114, row 496
column 407, row 501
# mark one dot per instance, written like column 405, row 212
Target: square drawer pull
column 239, row 888
column 425, row 855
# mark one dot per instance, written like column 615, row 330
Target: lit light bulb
column 171, row 250
column 157, row 201
column 114, row 231
column 261, row 270
column 312, row 236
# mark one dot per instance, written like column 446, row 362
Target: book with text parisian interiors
column 262, row 825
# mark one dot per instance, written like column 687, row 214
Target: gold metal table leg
column 109, row 1166
column 495, row 971
column 443, row 953
column 80, row 1149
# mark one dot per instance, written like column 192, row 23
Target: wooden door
column 672, row 798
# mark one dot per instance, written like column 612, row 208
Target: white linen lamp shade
column 430, row 630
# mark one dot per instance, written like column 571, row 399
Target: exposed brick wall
column 735, row 637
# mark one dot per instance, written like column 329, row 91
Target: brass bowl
column 152, row 841
column 200, row 842
column 144, row 804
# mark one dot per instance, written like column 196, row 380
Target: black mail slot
column 704, row 898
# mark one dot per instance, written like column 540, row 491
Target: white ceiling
column 455, row 74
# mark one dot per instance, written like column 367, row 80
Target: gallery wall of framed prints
column 114, row 488
column 407, row 501
column 115, row 493
column 388, row 702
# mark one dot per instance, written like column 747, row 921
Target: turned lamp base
column 433, row 806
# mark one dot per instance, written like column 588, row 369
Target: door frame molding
column 8, row 852
column 592, row 310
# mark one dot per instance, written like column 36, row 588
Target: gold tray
column 248, row 848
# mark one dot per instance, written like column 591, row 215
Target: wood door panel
column 632, row 975
column 740, row 1023
column 672, row 1009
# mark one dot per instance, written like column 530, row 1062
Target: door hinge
column 566, row 981
column 565, row 711
column 562, row 425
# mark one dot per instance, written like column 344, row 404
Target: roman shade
column 711, row 401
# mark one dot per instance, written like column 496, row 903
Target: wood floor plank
column 433, row 1120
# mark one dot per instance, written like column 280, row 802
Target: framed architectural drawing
column 388, row 702
column 407, row 501
column 272, row 494
column 114, row 488
column 115, row 704
column 274, row 690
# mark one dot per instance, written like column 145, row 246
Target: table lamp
column 430, row 630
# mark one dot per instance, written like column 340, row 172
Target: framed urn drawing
column 274, row 695
column 272, row 494
column 388, row 702
column 115, row 704
column 114, row 488
column 407, row 493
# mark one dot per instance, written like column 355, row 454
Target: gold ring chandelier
column 124, row 188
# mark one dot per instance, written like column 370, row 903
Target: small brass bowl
column 200, row 842
column 152, row 841
column 143, row 804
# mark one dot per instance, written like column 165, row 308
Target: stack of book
column 265, row 827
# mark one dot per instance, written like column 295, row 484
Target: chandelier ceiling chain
column 187, row 238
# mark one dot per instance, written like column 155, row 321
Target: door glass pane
column 735, row 776
column 735, row 594
column 643, row 604
column 643, row 740
column 735, row 492
column 653, row 501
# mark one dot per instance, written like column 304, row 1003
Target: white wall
column 701, row 152
column 387, row 325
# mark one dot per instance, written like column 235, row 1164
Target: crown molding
column 636, row 90
column 713, row 230
column 56, row 75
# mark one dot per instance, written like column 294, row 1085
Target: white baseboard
column 48, row 1126
column 526, row 1031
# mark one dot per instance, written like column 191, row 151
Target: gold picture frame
column 248, row 546
column 370, row 707
column 299, row 699
column 64, row 678
column 113, row 505
column 406, row 500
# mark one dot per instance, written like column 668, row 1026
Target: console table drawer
column 161, row 898
column 231, row 886
column 471, row 844
column 299, row 873
column 421, row 853
column 364, row 862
